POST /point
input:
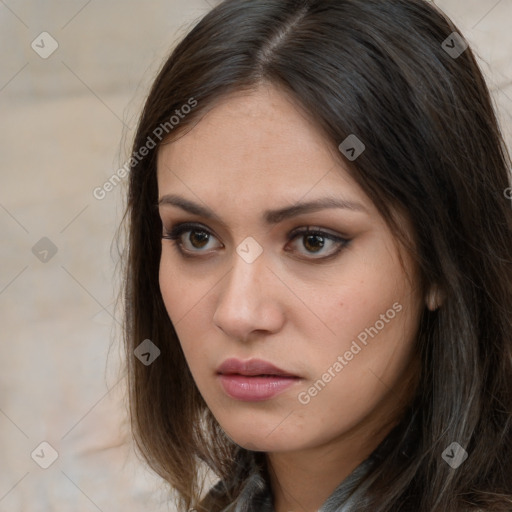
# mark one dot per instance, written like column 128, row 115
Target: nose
column 249, row 302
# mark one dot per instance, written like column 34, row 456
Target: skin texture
column 252, row 152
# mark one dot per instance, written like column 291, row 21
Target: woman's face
column 334, row 310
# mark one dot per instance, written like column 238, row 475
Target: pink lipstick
column 253, row 380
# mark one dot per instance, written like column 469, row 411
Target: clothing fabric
column 256, row 495
column 350, row 495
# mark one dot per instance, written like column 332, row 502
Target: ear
column 434, row 298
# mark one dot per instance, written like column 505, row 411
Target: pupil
column 316, row 239
column 203, row 236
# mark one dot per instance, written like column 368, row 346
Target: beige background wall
column 63, row 121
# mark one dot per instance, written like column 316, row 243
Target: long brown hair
column 393, row 73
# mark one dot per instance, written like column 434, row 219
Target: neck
column 304, row 480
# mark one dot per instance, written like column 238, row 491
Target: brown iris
column 201, row 236
column 316, row 240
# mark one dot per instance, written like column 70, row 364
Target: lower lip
column 255, row 389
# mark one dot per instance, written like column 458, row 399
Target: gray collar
column 256, row 495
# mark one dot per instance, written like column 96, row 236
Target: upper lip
column 253, row 367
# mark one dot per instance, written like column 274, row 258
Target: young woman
column 319, row 276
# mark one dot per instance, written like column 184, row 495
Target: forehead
column 258, row 143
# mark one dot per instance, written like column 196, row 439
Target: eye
column 315, row 241
column 198, row 237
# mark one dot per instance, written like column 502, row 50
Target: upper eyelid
column 190, row 226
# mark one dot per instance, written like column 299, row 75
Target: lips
column 252, row 368
column 254, row 380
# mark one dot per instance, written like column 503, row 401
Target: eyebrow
column 269, row 216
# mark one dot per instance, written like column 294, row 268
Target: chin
column 260, row 444
column 262, row 438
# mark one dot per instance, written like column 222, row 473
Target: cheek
column 170, row 289
column 177, row 296
column 185, row 304
column 180, row 293
column 357, row 303
column 351, row 377
column 373, row 312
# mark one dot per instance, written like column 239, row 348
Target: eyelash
column 178, row 230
